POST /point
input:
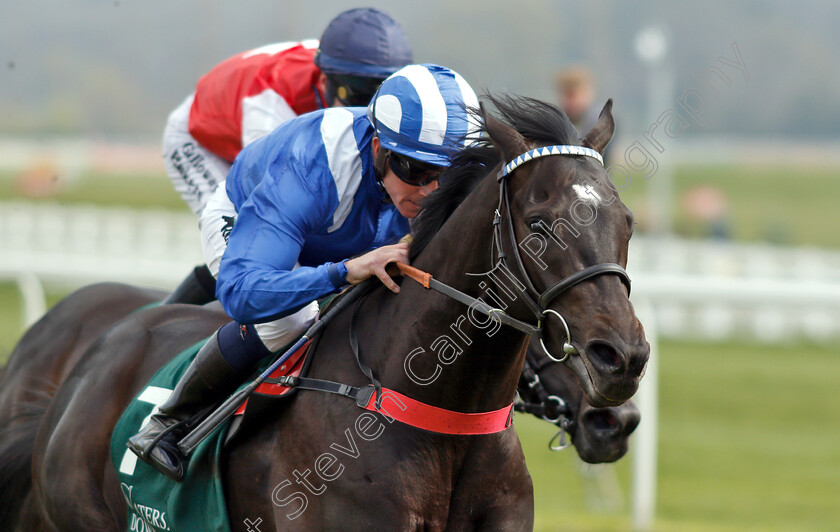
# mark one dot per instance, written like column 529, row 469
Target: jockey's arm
column 258, row 281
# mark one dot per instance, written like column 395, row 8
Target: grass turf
column 786, row 205
column 135, row 191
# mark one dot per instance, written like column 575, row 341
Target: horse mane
column 537, row 121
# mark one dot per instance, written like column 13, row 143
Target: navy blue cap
column 363, row 42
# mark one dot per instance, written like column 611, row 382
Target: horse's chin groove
column 592, row 395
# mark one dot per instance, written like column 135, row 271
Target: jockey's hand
column 374, row 263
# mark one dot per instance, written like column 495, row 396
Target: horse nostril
column 601, row 420
column 604, row 354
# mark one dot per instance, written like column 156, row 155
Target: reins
column 402, row 408
column 429, row 282
column 370, row 397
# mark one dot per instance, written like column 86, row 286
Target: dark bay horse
column 403, row 478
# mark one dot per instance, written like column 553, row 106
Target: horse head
column 566, row 244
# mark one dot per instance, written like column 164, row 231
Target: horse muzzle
column 609, row 371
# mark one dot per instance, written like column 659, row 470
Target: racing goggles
column 412, row 172
column 355, row 91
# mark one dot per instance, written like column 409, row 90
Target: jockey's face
column 406, row 198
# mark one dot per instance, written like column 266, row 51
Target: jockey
column 247, row 96
column 332, row 184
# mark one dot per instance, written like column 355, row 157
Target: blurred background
column 727, row 150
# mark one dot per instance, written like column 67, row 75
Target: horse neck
column 477, row 360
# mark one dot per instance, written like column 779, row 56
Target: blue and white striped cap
column 421, row 111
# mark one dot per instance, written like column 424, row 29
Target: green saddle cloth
column 156, row 502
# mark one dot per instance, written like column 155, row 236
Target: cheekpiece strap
column 550, row 150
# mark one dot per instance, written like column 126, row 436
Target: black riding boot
column 198, row 288
column 208, row 378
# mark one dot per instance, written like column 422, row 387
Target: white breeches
column 195, row 171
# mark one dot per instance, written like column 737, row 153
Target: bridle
column 538, row 302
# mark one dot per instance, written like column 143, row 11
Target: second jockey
column 248, row 95
column 323, row 187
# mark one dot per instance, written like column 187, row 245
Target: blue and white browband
column 551, row 150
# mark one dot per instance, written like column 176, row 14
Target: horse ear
column 507, row 140
column 602, row 132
